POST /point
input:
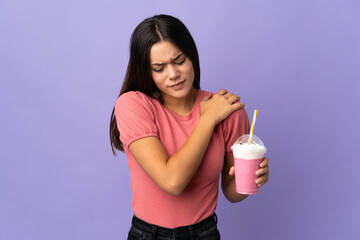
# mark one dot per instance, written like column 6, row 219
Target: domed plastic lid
column 242, row 149
column 244, row 139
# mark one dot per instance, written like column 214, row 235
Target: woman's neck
column 182, row 106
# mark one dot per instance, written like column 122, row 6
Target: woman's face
column 171, row 70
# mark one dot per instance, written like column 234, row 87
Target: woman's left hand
column 262, row 174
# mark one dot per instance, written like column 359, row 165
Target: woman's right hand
column 219, row 106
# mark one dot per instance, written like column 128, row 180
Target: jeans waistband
column 147, row 227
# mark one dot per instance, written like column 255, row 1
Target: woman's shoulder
column 134, row 100
column 133, row 97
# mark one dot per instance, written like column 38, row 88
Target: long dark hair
column 138, row 73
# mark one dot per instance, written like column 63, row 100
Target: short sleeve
column 234, row 126
column 135, row 117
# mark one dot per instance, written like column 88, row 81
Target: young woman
column 176, row 137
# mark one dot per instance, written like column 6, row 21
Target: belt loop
column 153, row 232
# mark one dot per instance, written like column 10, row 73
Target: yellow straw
column 252, row 126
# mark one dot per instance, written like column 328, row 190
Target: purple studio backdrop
column 62, row 64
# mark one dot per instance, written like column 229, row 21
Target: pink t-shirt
column 140, row 116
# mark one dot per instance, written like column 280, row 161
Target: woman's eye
column 158, row 70
column 181, row 62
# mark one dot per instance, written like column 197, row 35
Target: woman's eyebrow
column 157, row 64
column 161, row 64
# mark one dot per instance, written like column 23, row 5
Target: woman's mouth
column 178, row 85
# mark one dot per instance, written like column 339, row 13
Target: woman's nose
column 173, row 72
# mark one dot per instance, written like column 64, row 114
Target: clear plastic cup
column 247, row 159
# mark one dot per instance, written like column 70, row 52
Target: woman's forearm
column 173, row 173
column 184, row 163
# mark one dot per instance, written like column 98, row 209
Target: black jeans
column 204, row 230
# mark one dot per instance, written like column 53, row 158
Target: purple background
column 61, row 68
